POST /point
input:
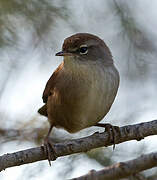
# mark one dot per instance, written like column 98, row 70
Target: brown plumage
column 82, row 89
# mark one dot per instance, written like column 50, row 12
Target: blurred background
column 31, row 32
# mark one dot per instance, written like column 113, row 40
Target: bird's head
column 85, row 47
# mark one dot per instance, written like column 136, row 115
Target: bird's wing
column 51, row 83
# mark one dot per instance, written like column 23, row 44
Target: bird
column 82, row 89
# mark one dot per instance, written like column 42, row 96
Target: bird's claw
column 49, row 150
column 112, row 131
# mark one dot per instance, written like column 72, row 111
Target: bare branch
column 122, row 169
column 138, row 176
column 127, row 133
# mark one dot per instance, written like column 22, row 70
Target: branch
column 137, row 176
column 122, row 169
column 127, row 133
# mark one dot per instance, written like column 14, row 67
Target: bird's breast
column 84, row 97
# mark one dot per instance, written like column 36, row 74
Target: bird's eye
column 83, row 49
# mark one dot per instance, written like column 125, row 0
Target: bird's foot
column 112, row 131
column 49, row 150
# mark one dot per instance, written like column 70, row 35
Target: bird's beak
column 63, row 53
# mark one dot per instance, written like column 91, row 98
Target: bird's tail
column 43, row 110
